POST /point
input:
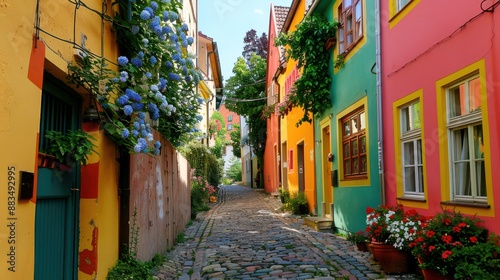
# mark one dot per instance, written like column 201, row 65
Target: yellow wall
column 294, row 135
column 20, row 110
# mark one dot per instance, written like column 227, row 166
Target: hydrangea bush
column 154, row 84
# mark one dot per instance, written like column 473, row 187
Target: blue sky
column 227, row 22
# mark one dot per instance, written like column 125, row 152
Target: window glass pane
column 478, row 142
column 354, row 145
column 347, row 129
column 461, row 144
column 357, row 11
column 347, row 167
column 402, row 3
column 421, row 179
column 457, row 103
column 362, row 145
column 462, row 178
column 349, row 39
column 415, row 116
column 409, row 179
column 362, row 164
column 355, row 166
column 354, row 125
column 347, row 152
column 362, row 121
column 348, row 23
column 405, row 119
column 481, row 178
column 347, row 3
column 419, row 151
column 474, row 95
column 408, row 153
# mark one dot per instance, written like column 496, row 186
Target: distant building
column 231, row 119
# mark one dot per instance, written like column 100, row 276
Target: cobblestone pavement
column 246, row 236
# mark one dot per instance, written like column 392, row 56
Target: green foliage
column 204, row 163
column 153, row 53
column 234, row 171
column 235, row 135
column 181, row 238
column 306, row 46
column 72, row 147
column 480, row 261
column 297, row 204
column 284, row 195
column 217, row 130
column 128, row 266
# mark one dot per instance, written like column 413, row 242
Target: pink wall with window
column 423, row 46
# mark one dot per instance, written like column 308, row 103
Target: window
column 465, row 134
column 411, row 145
column 230, row 118
column 351, row 24
column 290, row 160
column 400, row 4
column 230, row 127
column 354, row 145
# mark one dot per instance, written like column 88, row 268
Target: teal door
column 58, row 196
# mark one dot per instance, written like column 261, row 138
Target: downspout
column 379, row 103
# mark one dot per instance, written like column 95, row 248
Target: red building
column 271, row 168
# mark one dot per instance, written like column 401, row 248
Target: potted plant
column 442, row 237
column 298, row 204
column 359, row 238
column 70, row 148
column 384, row 230
column 284, row 195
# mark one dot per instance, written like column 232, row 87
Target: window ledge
column 467, row 204
column 412, row 198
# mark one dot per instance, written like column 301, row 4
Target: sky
column 227, row 22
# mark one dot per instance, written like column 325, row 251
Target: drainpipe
column 379, row 103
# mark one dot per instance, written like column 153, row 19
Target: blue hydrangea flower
column 123, row 76
column 125, row 133
column 132, row 95
column 150, row 11
column 122, row 100
column 174, row 77
column 157, row 30
column 152, row 60
column 135, row 29
column 144, row 133
column 163, row 37
column 149, row 75
column 145, row 41
column 188, row 79
column 190, row 40
column 185, row 70
column 166, row 29
column 145, row 15
column 157, row 144
column 182, row 61
column 115, row 80
column 162, row 84
column 137, row 106
column 183, row 36
column 136, row 125
column 153, row 5
column 173, row 37
column 141, row 116
column 128, row 110
column 157, row 152
column 173, row 16
column 166, row 1
column 168, row 64
column 154, row 88
column 150, row 137
column 135, row 133
column 176, row 57
column 137, row 62
column 155, row 21
column 185, row 27
column 184, row 43
column 140, row 54
column 122, row 60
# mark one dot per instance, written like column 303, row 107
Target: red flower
column 446, row 238
column 473, row 239
column 369, row 210
column 430, row 233
column 457, row 229
column 446, row 254
column 462, row 224
column 447, row 221
column 431, row 248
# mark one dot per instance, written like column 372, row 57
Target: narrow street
column 247, row 236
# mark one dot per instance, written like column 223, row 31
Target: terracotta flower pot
column 362, row 246
column 431, row 274
column 392, row 260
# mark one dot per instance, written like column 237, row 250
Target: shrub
column 297, row 204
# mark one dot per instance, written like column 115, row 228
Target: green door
column 58, row 196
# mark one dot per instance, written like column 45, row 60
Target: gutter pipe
column 379, row 103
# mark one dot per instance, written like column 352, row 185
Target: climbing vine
column 306, row 46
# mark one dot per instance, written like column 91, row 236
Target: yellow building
column 60, row 224
column 297, row 142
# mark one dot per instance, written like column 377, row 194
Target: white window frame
column 466, row 121
column 400, row 4
column 412, row 135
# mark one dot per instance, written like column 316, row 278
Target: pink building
column 439, row 94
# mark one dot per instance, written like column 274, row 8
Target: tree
column 234, row 171
column 235, row 135
column 255, row 44
column 217, row 129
